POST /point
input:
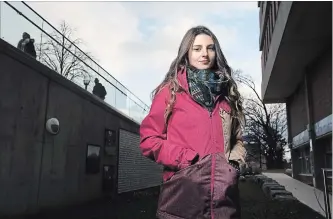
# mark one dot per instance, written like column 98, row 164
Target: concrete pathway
column 303, row 192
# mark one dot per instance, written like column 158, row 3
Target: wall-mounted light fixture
column 52, row 126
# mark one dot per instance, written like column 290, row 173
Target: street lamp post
column 86, row 81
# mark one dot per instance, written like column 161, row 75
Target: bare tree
column 67, row 62
column 266, row 124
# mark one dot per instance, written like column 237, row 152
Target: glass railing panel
column 121, row 102
column 13, row 25
column 57, row 52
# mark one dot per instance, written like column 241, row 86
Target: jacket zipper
column 212, row 167
column 210, row 112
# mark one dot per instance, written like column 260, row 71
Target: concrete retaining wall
column 271, row 188
column 39, row 170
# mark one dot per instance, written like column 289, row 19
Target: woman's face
column 202, row 54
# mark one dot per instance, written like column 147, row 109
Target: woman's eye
column 198, row 49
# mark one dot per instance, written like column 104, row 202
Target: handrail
column 20, row 13
column 326, row 193
column 145, row 107
column 80, row 50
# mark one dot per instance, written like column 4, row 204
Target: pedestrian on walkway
column 25, row 39
column 194, row 131
column 26, row 44
column 99, row 89
column 29, row 48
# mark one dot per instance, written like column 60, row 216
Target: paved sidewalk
column 303, row 192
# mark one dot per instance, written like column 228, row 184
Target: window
column 304, row 160
column 93, row 159
column 328, row 154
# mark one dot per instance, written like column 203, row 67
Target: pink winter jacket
column 192, row 132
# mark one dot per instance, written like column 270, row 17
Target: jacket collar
column 182, row 79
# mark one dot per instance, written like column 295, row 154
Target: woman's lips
column 204, row 62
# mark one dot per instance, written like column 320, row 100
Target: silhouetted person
column 25, row 39
column 99, row 90
column 30, row 48
column 27, row 45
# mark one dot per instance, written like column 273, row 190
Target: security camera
column 52, row 126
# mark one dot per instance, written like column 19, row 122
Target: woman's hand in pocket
column 195, row 159
column 189, row 157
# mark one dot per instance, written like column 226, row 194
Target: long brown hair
column 231, row 92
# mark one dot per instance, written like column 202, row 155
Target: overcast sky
column 136, row 41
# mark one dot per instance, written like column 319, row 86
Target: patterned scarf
column 204, row 85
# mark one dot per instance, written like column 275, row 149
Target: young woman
column 193, row 129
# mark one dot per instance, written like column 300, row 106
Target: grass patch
column 255, row 205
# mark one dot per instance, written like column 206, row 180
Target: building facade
column 255, row 159
column 296, row 45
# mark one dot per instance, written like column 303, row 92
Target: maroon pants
column 207, row 189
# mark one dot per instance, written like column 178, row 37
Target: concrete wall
column 321, row 93
column 38, row 170
column 297, row 111
column 321, row 86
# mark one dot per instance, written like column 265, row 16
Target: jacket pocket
column 226, row 194
column 187, row 193
column 196, row 164
column 223, row 161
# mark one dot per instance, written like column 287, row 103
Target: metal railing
column 19, row 17
column 327, row 190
